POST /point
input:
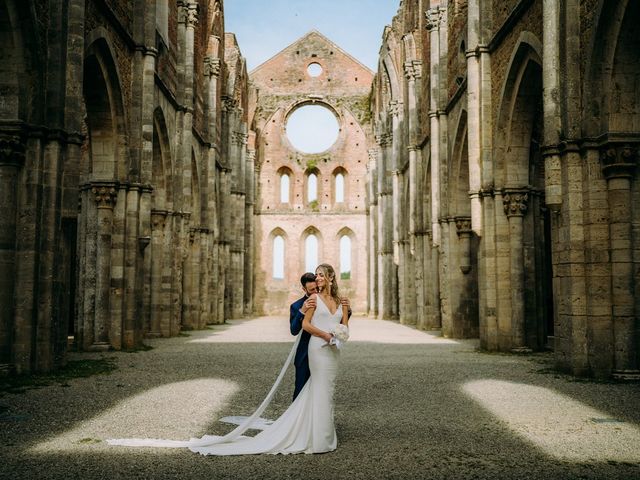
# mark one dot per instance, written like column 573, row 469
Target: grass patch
column 74, row 369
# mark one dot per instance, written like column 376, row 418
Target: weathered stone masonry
column 525, row 186
column 116, row 168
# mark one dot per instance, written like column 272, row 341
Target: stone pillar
column 515, row 207
column 434, row 17
column 387, row 274
column 463, row 229
column 372, row 229
column 190, row 282
column 12, row 153
column 105, row 197
column 618, row 166
column 249, row 245
column 158, row 218
column 131, row 256
column 143, row 269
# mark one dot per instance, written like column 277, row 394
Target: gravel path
column 408, row 405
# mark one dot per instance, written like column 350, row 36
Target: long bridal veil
column 254, row 421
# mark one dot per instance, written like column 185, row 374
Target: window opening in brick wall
column 314, row 69
column 312, row 129
column 278, row 257
column 311, row 253
column 345, row 257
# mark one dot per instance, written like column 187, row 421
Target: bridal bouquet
column 340, row 334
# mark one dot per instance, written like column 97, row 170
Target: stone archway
column 103, row 166
column 463, row 251
column 523, row 235
column 613, row 117
column 18, row 96
column 161, row 232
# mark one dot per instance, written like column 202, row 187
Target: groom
column 296, row 315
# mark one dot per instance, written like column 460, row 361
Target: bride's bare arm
column 308, row 327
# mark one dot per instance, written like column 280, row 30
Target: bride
column 307, row 425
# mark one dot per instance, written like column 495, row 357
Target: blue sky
column 264, row 27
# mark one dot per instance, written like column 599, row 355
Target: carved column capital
column 412, row 69
column 515, row 202
column 12, row 150
column 434, row 18
column 105, row 194
column 384, row 139
column 463, row 225
column 239, row 138
column 183, row 10
column 192, row 15
column 229, row 103
column 395, row 107
column 211, row 66
column 619, row 160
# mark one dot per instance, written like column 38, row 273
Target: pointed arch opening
column 285, row 177
column 339, row 186
column 278, row 250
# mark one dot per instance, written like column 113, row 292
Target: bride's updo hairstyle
column 330, row 275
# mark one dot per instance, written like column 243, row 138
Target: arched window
column 312, row 188
column 311, row 253
column 278, row 257
column 345, row 257
column 339, row 188
column 284, row 188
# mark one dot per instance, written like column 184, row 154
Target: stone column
column 131, row 257
column 249, row 246
column 189, row 284
column 143, row 269
column 618, row 166
column 463, row 229
column 551, row 99
column 515, row 207
column 158, row 218
column 105, row 197
column 387, row 274
column 434, row 17
column 372, row 227
column 12, row 154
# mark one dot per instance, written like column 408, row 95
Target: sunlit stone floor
column 408, row 405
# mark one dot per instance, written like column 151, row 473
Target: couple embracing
column 307, row 425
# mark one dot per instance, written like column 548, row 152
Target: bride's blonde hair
column 330, row 275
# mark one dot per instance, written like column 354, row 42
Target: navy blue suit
column 301, row 360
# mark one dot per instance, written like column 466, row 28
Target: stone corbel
column 158, row 218
column 463, row 229
column 515, row 201
column 619, row 160
column 12, row 150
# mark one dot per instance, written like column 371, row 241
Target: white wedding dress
column 305, row 427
